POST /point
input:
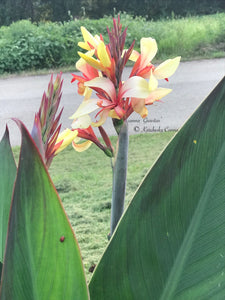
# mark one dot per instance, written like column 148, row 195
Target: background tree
column 14, row 10
column 62, row 10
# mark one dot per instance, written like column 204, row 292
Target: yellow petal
column 113, row 114
column 138, row 105
column 97, row 38
column 82, row 62
column 87, row 93
column 103, row 83
column 82, row 122
column 79, row 64
column 136, row 87
column 92, row 61
column 148, row 50
column 144, row 112
column 67, row 136
column 88, row 37
column 167, row 68
column 85, row 108
column 81, row 147
column 157, row 94
column 84, row 45
column 103, row 116
column 134, row 55
column 103, row 55
column 77, row 139
column 153, row 82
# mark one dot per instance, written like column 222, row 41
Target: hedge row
column 27, row 46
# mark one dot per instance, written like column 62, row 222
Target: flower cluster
column 102, row 67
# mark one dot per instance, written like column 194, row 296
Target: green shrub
column 28, row 46
column 25, row 46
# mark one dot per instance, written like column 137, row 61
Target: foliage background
column 61, row 10
column 30, row 46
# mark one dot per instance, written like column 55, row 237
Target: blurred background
column 62, row 10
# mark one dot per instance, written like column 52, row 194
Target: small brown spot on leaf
column 62, row 239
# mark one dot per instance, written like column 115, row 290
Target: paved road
column 20, row 98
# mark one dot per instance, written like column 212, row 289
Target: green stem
column 119, row 176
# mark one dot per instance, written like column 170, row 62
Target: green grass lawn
column 84, row 183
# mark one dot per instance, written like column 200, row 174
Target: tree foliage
column 62, row 10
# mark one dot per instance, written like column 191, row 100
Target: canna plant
column 169, row 243
column 102, row 69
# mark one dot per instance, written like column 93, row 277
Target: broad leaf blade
column 7, row 178
column 170, row 243
column 42, row 259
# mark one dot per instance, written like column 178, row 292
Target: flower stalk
column 119, row 168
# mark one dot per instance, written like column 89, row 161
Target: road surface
column 193, row 81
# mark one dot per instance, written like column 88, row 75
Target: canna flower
column 89, row 135
column 104, row 61
column 88, row 73
column 155, row 94
column 108, row 58
column 107, row 101
column 64, row 139
column 102, row 67
column 115, row 103
column 143, row 66
column 69, row 136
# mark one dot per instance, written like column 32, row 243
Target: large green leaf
column 7, row 178
column 170, row 243
column 42, row 259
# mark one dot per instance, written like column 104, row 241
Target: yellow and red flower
column 102, row 67
column 68, row 136
column 88, row 73
column 143, row 66
column 132, row 95
column 103, row 61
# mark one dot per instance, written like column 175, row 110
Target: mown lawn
column 84, row 183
